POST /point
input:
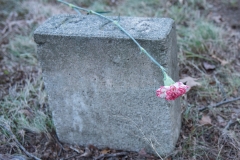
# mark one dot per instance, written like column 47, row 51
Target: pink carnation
column 172, row 92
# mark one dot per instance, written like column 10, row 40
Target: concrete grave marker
column 101, row 90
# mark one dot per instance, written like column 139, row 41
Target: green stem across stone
column 167, row 79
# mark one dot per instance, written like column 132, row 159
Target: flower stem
column 165, row 75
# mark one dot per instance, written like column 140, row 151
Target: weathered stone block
column 101, row 89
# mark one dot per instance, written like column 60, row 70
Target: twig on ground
column 61, row 147
column 219, row 152
column 229, row 124
column 75, row 149
column 75, row 155
column 111, row 155
column 7, row 128
column 219, row 104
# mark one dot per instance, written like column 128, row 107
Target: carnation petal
column 173, row 91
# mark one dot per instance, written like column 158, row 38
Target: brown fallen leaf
column 105, row 151
column 87, row 153
column 208, row 66
column 223, row 62
column 221, row 121
column 217, row 18
column 184, row 137
column 189, row 81
column 205, row 120
column 26, row 112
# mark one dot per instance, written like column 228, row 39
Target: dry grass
column 210, row 134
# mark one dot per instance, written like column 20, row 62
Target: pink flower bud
column 173, row 91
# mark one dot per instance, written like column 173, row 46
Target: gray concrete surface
column 101, row 90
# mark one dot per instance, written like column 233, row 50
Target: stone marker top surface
column 94, row 26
